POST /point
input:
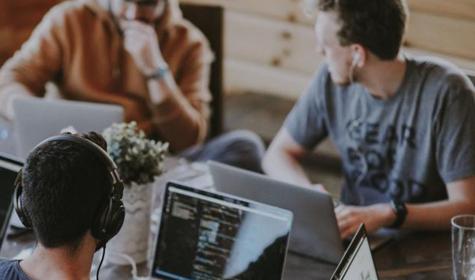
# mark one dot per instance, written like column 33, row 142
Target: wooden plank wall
column 269, row 44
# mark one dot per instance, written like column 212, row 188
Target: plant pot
column 132, row 239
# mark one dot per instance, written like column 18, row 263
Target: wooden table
column 417, row 255
column 421, row 255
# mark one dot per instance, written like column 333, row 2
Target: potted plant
column 140, row 161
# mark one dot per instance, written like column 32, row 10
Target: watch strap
column 400, row 210
column 158, row 73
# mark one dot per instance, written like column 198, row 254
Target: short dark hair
column 64, row 184
column 378, row 25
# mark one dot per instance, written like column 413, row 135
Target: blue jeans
column 240, row 148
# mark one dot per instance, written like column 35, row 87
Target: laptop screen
column 206, row 235
column 8, row 171
column 357, row 262
column 37, row 119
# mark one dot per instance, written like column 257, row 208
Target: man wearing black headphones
column 69, row 193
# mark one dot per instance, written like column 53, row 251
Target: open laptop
column 9, row 168
column 37, row 119
column 208, row 235
column 357, row 262
column 315, row 231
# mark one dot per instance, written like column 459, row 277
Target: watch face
column 159, row 73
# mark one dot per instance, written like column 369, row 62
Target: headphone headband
column 86, row 143
column 110, row 216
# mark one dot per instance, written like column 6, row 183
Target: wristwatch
column 158, row 73
column 400, row 210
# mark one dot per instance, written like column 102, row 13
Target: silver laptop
column 315, row 231
column 9, row 168
column 210, row 235
column 37, row 118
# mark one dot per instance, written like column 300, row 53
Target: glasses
column 463, row 247
column 143, row 2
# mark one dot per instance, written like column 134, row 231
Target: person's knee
column 247, row 140
column 240, row 148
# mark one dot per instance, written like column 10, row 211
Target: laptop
column 211, row 235
column 315, row 231
column 9, row 167
column 357, row 262
column 7, row 143
column 37, row 119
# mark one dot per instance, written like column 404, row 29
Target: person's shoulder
column 441, row 73
column 7, row 264
column 191, row 40
column 10, row 269
column 320, row 86
column 322, row 80
column 67, row 8
column 190, row 30
column 186, row 31
column 323, row 73
column 74, row 10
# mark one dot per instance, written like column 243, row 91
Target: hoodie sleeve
column 183, row 118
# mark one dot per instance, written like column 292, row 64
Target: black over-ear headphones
column 110, row 215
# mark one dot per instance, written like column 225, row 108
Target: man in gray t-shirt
column 403, row 126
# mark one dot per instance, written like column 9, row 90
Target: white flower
column 138, row 159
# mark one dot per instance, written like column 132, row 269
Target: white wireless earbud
column 356, row 58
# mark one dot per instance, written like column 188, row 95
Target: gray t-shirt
column 408, row 147
column 11, row 270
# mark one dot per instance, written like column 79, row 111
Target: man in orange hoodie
column 140, row 54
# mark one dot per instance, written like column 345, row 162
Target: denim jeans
column 240, row 148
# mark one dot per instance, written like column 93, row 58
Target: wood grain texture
column 442, row 26
column 271, row 43
column 453, row 8
column 446, row 35
column 245, row 76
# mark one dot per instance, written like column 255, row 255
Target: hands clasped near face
column 141, row 42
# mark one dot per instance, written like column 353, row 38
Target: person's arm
column 426, row 216
column 182, row 115
column 281, row 160
column 303, row 129
column 37, row 62
column 437, row 215
column 181, row 109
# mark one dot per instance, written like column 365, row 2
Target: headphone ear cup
column 18, row 202
column 117, row 217
column 108, row 220
column 97, row 228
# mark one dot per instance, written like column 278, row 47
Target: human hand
column 374, row 217
column 141, row 42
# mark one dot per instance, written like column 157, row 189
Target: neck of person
column 62, row 262
column 382, row 78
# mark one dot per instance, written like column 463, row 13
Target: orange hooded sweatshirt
column 79, row 47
